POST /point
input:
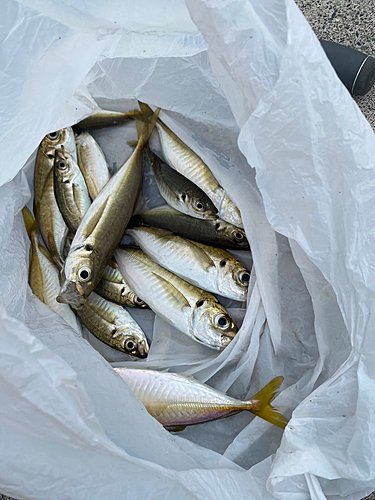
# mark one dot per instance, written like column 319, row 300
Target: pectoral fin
column 178, row 300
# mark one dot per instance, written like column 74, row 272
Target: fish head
column 80, row 276
column 131, row 340
column 233, row 278
column 135, row 301
column 63, row 166
column 197, row 205
column 55, row 139
column 234, row 234
column 229, row 212
column 212, row 325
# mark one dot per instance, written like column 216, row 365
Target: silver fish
column 191, row 310
column 113, row 325
column 51, row 223
column 178, row 191
column 183, row 159
column 103, row 226
column 176, row 400
column 212, row 269
column 103, row 118
column 70, row 189
column 217, row 232
column 43, row 274
column 92, row 163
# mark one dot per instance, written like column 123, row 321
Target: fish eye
column 129, row 345
column 137, row 300
column 52, row 135
column 200, row 205
column 222, row 322
column 244, row 277
column 62, row 165
column 237, row 235
column 84, row 274
column 222, row 263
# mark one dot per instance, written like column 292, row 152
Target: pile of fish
column 177, row 266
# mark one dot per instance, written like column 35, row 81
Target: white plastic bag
column 69, row 426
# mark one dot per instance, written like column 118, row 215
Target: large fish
column 113, row 287
column 176, row 400
column 212, row 269
column 183, row 159
column 113, row 325
column 178, row 191
column 103, row 118
column 70, row 189
column 92, row 163
column 43, row 274
column 217, row 232
column 103, row 226
column 191, row 310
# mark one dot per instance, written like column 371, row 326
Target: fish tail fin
column 145, row 109
column 260, row 404
column 144, row 129
column 30, row 222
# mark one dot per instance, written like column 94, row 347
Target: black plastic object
column 355, row 69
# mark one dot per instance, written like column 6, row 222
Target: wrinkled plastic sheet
column 243, row 83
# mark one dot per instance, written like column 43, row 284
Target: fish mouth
column 69, row 295
column 226, row 339
column 142, row 350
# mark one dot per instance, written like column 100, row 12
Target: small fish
column 46, row 155
column 178, row 191
column 104, row 118
column 183, row 159
column 70, row 189
column 211, row 269
column 191, row 310
column 43, row 274
column 92, row 163
column 217, row 232
column 177, row 400
column 51, row 223
column 113, row 325
column 103, row 226
column 113, row 287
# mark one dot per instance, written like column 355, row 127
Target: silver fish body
column 51, row 223
column 113, row 287
column 211, row 269
column 176, row 400
column 113, row 325
column 191, row 310
column 92, row 163
column 46, row 155
column 217, row 232
column 104, row 118
column 188, row 163
column 44, row 276
column 102, row 227
column 70, row 189
column 178, row 191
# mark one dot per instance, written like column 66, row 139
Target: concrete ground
column 349, row 22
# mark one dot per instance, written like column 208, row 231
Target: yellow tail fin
column 261, row 403
column 29, row 221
